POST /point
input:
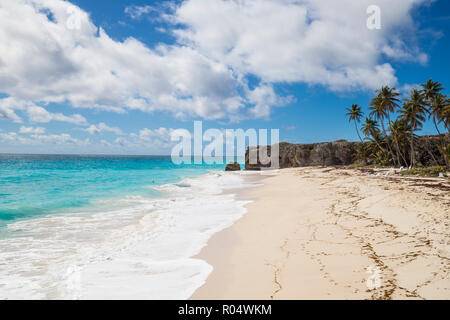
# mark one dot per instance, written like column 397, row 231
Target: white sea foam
column 133, row 248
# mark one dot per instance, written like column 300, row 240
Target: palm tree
column 382, row 105
column 355, row 114
column 389, row 100
column 370, row 129
column 414, row 111
column 400, row 131
column 446, row 117
column 437, row 105
column 436, row 102
column 430, row 89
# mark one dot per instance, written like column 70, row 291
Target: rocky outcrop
column 427, row 150
column 342, row 153
column 233, row 167
column 306, row 155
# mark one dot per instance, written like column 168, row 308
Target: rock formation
column 233, row 167
column 341, row 153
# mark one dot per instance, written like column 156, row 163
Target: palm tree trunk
column 442, row 146
column 436, row 126
column 387, row 141
column 396, row 142
column 403, row 154
column 398, row 153
column 357, row 131
column 413, row 156
column 377, row 143
column 397, row 150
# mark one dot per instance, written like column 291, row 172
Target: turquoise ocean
column 37, row 185
column 82, row 227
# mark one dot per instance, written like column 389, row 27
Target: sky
column 119, row 77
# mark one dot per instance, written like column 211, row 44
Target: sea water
column 109, row 227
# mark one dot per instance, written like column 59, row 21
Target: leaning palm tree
column 389, row 98
column 436, row 102
column 400, row 131
column 414, row 111
column 355, row 114
column 437, row 105
column 381, row 107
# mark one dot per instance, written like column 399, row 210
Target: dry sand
column 311, row 233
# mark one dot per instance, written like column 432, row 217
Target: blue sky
column 158, row 66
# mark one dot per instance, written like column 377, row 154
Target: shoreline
column 140, row 248
column 333, row 225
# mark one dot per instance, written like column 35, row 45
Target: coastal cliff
column 342, row 153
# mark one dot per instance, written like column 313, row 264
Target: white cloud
column 406, row 89
column 322, row 42
column 122, row 142
column 9, row 106
column 14, row 138
column 204, row 75
column 42, row 139
column 32, row 130
column 102, row 127
column 145, row 141
column 136, row 12
column 264, row 97
column 161, row 134
column 106, row 143
column 63, row 138
column 39, row 114
column 88, row 69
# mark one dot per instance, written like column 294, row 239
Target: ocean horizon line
column 84, row 154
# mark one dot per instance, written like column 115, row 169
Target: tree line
column 390, row 129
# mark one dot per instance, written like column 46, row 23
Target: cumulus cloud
column 14, row 138
column 263, row 98
column 85, row 67
column 8, row 113
column 63, row 138
column 163, row 134
column 42, row 139
column 102, row 127
column 220, row 44
column 146, row 139
column 32, row 130
column 9, row 106
column 39, row 114
column 322, row 42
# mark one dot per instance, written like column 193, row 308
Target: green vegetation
column 392, row 141
column 425, row 172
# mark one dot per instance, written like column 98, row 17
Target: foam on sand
column 129, row 248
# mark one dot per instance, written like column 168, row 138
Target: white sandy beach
column 311, row 233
